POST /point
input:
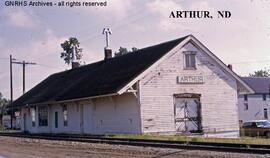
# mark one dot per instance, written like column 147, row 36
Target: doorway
column 56, row 119
column 187, row 111
column 24, row 123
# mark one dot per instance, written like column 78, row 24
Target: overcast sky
column 34, row 34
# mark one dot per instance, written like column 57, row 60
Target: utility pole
column 11, row 89
column 24, row 63
column 11, row 83
column 23, row 77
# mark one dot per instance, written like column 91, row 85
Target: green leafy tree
column 261, row 73
column 123, row 51
column 67, row 46
column 3, row 104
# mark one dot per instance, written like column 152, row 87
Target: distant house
column 255, row 106
column 174, row 87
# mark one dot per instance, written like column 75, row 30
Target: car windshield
column 263, row 123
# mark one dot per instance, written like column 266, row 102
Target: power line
column 38, row 64
column 23, row 63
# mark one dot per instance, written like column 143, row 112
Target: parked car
column 256, row 128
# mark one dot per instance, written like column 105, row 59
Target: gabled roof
column 258, row 84
column 96, row 79
column 110, row 77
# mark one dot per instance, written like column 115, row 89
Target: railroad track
column 224, row 147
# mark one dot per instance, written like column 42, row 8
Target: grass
column 242, row 140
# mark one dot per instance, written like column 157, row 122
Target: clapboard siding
column 256, row 105
column 118, row 114
column 218, row 94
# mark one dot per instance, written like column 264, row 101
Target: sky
column 34, row 34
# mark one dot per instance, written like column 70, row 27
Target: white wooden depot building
column 174, row 87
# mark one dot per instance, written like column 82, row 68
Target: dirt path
column 32, row 148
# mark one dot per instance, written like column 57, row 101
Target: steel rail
column 222, row 147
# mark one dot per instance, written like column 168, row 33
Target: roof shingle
column 100, row 78
column 258, row 84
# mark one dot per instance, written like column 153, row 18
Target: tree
column 123, row 51
column 261, row 73
column 67, row 46
column 3, row 104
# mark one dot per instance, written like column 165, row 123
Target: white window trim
column 33, row 116
column 65, row 115
column 184, row 57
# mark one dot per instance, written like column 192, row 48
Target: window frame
column 245, row 97
column 265, row 113
column 43, row 116
column 190, row 65
column 245, row 106
column 65, row 115
column 33, row 116
column 264, row 97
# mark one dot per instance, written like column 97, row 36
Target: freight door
column 187, row 112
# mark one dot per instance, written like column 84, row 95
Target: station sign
column 190, row 79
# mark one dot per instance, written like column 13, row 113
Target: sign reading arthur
column 190, row 79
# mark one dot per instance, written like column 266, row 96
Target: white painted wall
column 219, row 94
column 36, row 128
column 256, row 104
column 119, row 114
column 155, row 113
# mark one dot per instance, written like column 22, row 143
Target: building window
column 33, row 116
column 245, row 97
column 43, row 116
column 265, row 114
column 264, row 97
column 190, row 60
column 65, row 115
column 245, row 106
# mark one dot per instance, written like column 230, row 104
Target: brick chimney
column 107, row 53
column 230, row 66
column 107, row 50
column 75, row 64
